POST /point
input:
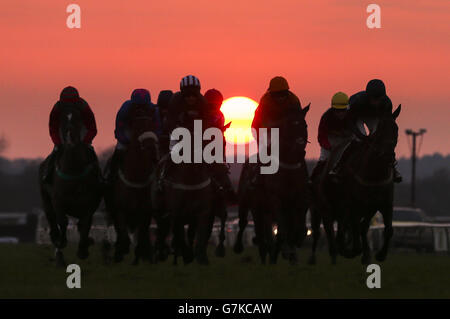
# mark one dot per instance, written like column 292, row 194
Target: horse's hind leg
column 84, row 226
column 315, row 227
column 122, row 245
column 366, row 257
column 329, row 230
column 243, row 221
column 143, row 248
column 220, row 250
column 202, row 239
column 388, row 233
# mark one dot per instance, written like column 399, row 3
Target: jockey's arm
column 53, row 125
column 90, row 124
column 121, row 124
column 323, row 133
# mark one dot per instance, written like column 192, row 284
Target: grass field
column 29, row 271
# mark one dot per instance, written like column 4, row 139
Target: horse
column 128, row 199
column 188, row 200
column 327, row 207
column 370, row 186
column 281, row 198
column 75, row 188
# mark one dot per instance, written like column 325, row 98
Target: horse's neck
column 372, row 169
column 138, row 163
column 72, row 159
column 190, row 173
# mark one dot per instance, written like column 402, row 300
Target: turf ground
column 29, row 271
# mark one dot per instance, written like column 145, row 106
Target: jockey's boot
column 49, row 167
column 397, row 176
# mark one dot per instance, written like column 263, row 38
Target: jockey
column 187, row 100
column 121, row 132
column 333, row 129
column 69, row 98
column 163, row 109
column 275, row 102
column 215, row 118
column 366, row 107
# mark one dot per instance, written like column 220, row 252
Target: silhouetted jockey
column 333, row 130
column 187, row 101
column 366, row 107
column 69, row 98
column 273, row 106
column 215, row 118
column 122, row 133
column 190, row 103
column 164, row 98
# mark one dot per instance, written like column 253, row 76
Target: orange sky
column 320, row 46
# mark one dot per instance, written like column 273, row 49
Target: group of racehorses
column 188, row 196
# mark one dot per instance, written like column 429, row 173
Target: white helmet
column 189, row 81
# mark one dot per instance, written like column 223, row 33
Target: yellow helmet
column 278, row 84
column 339, row 101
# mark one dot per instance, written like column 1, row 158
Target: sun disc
column 239, row 110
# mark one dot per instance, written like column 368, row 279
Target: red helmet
column 214, row 97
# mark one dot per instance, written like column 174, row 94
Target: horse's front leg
column 143, row 247
column 366, row 256
column 203, row 225
column 84, row 226
column 388, row 233
column 122, row 245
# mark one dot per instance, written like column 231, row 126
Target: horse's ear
column 306, row 109
column 397, row 112
column 226, row 127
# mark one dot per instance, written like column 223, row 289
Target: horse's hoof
column 238, row 248
column 82, row 254
column 365, row 259
column 380, row 256
column 220, row 251
column 202, row 260
column 293, row 259
column 333, row 260
column 312, row 260
column 60, row 262
column 118, row 258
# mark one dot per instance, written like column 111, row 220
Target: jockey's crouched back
column 333, row 131
column 122, row 129
column 69, row 100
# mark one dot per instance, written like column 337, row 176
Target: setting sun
column 239, row 110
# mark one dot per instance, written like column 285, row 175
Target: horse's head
column 294, row 130
column 71, row 125
column 142, row 126
column 384, row 140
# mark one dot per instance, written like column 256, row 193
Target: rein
column 363, row 182
column 187, row 187
column 135, row 185
column 69, row 177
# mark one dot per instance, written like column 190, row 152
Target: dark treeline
column 19, row 185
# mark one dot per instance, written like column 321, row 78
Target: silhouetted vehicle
column 410, row 229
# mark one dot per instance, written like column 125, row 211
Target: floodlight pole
column 414, row 135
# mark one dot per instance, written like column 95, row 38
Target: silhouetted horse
column 74, row 189
column 370, row 187
column 281, row 198
column 128, row 200
column 188, row 195
column 328, row 207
